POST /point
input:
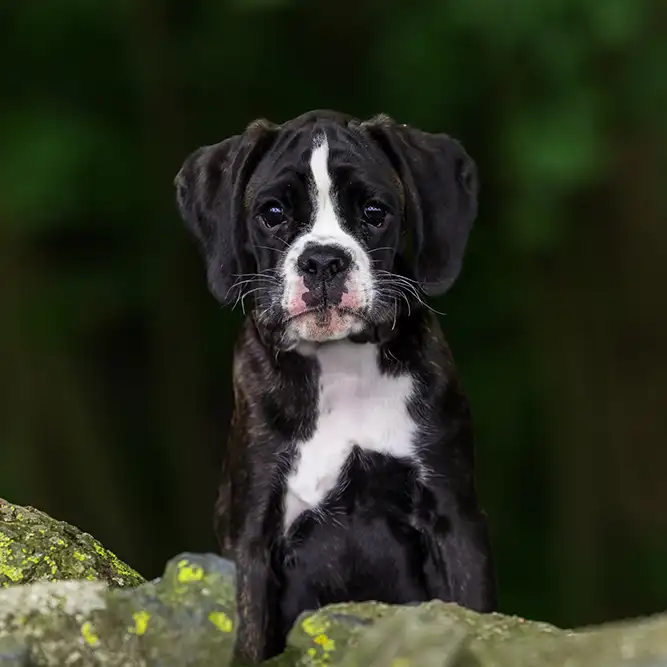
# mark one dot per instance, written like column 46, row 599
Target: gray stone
column 13, row 653
column 436, row 634
column 100, row 614
column 35, row 547
column 185, row 619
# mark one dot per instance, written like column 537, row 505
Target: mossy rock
column 437, row 634
column 185, row 619
column 35, row 547
column 372, row 634
column 188, row 618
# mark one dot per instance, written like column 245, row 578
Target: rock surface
column 35, row 547
column 436, row 634
column 186, row 618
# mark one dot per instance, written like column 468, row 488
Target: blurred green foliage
column 116, row 362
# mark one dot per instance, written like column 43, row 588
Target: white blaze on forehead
column 319, row 169
column 325, row 219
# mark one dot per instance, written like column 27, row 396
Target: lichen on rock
column 176, row 621
column 438, row 634
column 34, row 547
column 187, row 618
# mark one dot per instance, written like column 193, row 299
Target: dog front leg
column 258, row 636
column 459, row 566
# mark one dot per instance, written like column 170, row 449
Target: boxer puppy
column 349, row 471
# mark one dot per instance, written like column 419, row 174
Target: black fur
column 385, row 533
column 440, row 181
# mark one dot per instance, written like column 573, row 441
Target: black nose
column 323, row 261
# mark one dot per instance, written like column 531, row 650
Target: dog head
column 329, row 224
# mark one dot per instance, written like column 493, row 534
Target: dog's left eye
column 375, row 213
column 272, row 214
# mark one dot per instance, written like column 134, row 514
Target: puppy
column 348, row 474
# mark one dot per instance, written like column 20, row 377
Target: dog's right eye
column 272, row 214
column 375, row 213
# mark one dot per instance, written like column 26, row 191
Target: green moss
column 314, row 625
column 188, row 573
column 325, row 642
column 221, row 621
column 85, row 623
column 51, row 563
column 88, row 634
column 12, row 572
column 121, row 567
column 34, row 547
column 322, row 646
column 113, row 561
column 141, row 619
column 80, row 623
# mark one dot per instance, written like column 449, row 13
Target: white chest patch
column 357, row 406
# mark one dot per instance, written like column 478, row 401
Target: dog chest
column 357, row 405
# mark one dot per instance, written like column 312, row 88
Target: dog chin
column 324, row 326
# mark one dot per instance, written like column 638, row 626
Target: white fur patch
column 326, row 229
column 357, row 406
column 326, row 226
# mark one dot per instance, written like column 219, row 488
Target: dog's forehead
column 347, row 147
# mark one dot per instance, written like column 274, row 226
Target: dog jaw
column 323, row 326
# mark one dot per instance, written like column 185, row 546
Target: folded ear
column 440, row 183
column 210, row 189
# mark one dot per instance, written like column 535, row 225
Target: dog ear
column 440, row 183
column 210, row 189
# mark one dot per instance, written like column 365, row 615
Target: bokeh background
column 115, row 361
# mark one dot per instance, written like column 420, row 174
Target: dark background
column 115, row 361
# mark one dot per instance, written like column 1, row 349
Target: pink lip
column 350, row 300
column 297, row 305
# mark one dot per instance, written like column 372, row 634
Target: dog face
column 328, row 224
column 325, row 220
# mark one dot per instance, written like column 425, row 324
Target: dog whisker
column 280, row 250
column 253, row 281
column 241, row 297
column 396, row 275
column 396, row 292
column 410, row 286
column 265, row 275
